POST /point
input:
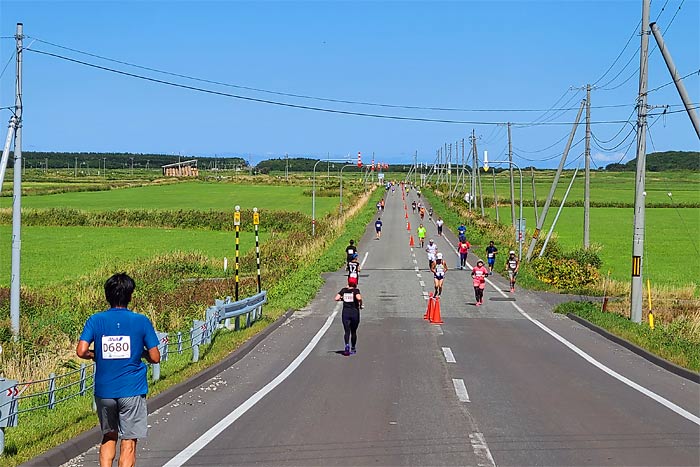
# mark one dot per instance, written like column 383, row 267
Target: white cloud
column 609, row 158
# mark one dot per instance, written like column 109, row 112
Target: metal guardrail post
column 83, row 379
column 179, row 342
column 195, row 353
column 52, row 390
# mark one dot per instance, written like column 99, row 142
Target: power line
column 286, row 94
column 696, row 72
column 634, row 33
column 290, row 105
column 544, row 149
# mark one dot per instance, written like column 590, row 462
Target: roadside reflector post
column 237, row 224
column 256, row 222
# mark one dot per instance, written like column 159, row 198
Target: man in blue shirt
column 122, row 338
column 462, row 231
column 378, row 227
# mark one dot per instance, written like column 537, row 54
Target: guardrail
column 46, row 394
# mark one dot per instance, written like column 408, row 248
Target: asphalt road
column 507, row 383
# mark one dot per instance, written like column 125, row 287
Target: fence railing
column 18, row 398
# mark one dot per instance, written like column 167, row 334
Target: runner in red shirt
column 479, row 274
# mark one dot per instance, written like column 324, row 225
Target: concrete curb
column 84, row 441
column 655, row 359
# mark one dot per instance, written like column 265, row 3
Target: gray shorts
column 125, row 415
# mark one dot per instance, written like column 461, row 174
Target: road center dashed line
column 461, row 390
column 449, row 356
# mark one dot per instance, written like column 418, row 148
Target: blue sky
column 467, row 55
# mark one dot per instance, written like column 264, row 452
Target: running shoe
column 478, row 303
column 512, row 290
column 347, row 350
column 353, row 351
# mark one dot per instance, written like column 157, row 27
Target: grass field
column 605, row 186
column 57, row 254
column 671, row 239
column 190, row 195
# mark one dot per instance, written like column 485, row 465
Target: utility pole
column 545, row 208
column 680, row 87
column 17, row 192
column 587, row 178
column 478, row 178
column 76, row 167
column 534, row 194
column 637, row 286
column 286, row 168
column 512, row 183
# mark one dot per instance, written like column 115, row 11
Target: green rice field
column 671, row 242
column 188, row 195
column 57, row 254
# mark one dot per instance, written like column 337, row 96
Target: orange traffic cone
column 408, row 226
column 436, row 318
column 410, row 242
column 406, row 214
column 429, row 310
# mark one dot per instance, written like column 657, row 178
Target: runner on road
column 421, row 236
column 491, row 251
column 432, row 250
column 439, row 223
column 439, row 269
column 479, row 274
column 378, row 227
column 463, row 250
column 382, row 203
column 353, row 267
column 512, row 266
column 462, row 232
column 379, row 206
column 413, row 205
column 422, row 213
column 350, row 250
column 430, row 212
column 352, row 303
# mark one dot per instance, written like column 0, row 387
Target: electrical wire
column 696, row 72
column 634, row 33
column 610, row 149
column 290, row 105
column 7, row 64
column 286, row 94
column 545, row 149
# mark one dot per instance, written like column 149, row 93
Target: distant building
column 181, row 169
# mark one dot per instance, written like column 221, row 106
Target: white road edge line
column 362, row 265
column 638, row 387
column 461, row 390
column 481, row 449
column 449, row 356
column 198, row 444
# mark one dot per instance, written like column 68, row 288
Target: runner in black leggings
column 352, row 302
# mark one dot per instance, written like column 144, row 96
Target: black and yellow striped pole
column 237, row 223
column 256, row 222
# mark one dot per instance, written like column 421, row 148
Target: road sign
column 237, row 218
column 256, row 218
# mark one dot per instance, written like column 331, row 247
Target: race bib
column 490, row 255
column 351, row 251
column 116, row 347
column 348, row 297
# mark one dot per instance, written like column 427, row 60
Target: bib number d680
column 116, row 347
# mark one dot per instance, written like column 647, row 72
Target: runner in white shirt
column 439, row 222
column 432, row 250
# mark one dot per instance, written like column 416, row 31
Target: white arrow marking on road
column 461, row 390
column 422, row 284
column 449, row 356
column 418, row 275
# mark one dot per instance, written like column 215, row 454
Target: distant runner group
column 352, row 299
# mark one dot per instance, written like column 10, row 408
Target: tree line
column 662, row 161
column 120, row 160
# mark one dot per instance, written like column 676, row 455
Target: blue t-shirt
column 462, row 230
column 378, row 225
column 120, row 336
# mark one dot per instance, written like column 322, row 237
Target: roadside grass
column 671, row 234
column 323, row 254
column 677, row 342
column 187, row 195
column 58, row 254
